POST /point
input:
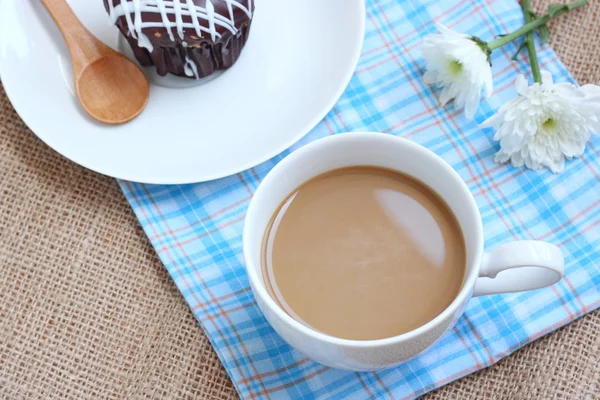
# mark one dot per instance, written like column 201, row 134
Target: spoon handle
column 83, row 46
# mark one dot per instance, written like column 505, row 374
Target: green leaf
column 554, row 9
column 544, row 34
column 521, row 47
column 557, row 8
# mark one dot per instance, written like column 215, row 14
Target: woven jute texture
column 88, row 311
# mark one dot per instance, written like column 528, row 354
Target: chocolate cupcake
column 187, row 38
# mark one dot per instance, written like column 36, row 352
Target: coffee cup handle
column 519, row 266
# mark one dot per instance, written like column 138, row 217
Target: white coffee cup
column 511, row 267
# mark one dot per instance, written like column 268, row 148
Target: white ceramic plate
column 298, row 60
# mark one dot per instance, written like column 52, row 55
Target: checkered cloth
column 197, row 229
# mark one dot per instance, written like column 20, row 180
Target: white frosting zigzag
column 179, row 9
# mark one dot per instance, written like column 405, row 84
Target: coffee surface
column 363, row 253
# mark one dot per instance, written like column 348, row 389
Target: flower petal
column 546, row 124
column 546, row 77
column 458, row 66
column 521, row 84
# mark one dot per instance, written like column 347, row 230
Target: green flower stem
column 530, row 26
column 533, row 60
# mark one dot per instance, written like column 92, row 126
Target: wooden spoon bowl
column 110, row 87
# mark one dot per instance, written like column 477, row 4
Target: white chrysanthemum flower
column 459, row 65
column 546, row 124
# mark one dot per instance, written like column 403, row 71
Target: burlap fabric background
column 88, row 311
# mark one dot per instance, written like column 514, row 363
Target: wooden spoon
column 110, row 87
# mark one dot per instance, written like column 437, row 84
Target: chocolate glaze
column 169, row 56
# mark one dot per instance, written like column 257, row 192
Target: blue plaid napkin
column 197, row 229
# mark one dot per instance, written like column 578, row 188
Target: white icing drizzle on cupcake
column 190, row 68
column 179, row 9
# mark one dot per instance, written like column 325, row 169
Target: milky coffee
column 363, row 253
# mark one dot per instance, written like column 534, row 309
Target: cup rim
column 258, row 285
